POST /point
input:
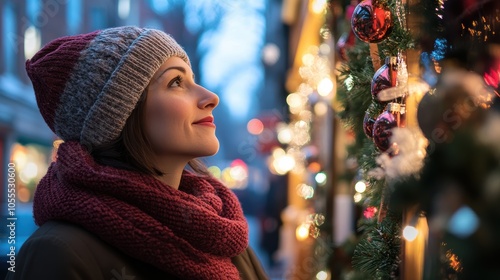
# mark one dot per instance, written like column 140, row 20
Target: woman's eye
column 176, row 82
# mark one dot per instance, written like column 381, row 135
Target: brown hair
column 132, row 149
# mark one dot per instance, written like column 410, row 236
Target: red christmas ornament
column 368, row 125
column 386, row 121
column 371, row 22
column 370, row 212
column 385, row 77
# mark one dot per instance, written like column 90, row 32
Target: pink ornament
column 382, row 130
column 385, row 77
column 371, row 22
column 492, row 76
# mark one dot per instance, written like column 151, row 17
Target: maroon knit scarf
column 192, row 232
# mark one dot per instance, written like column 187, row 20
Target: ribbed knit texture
column 87, row 85
column 50, row 68
column 191, row 232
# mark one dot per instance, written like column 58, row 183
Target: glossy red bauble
column 371, row 22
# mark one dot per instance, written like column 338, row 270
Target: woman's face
column 178, row 113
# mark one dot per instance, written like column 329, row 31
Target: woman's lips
column 208, row 121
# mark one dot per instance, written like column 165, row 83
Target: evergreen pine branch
column 378, row 252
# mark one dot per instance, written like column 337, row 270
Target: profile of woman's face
column 178, row 113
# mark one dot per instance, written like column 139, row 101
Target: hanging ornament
column 368, row 122
column 345, row 42
column 347, row 39
column 389, row 119
column 385, row 77
column 492, row 76
column 371, row 22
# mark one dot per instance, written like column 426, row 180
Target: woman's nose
column 208, row 99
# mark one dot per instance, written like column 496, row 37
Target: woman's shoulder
column 63, row 233
column 60, row 250
column 249, row 266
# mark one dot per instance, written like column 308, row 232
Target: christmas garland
column 377, row 252
column 466, row 158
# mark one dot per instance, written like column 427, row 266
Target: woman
column 118, row 203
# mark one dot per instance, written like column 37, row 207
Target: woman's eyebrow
column 179, row 68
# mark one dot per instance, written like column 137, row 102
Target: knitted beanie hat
column 86, row 86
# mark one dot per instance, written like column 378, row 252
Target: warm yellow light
column 285, row 135
column 215, row 171
column 410, row 233
column 239, row 173
column 19, row 156
column 308, row 59
column 283, row 164
column 302, row 232
column 278, row 152
column 227, row 179
column 320, row 108
column 322, row 275
column 325, row 87
column 358, row 197
column 296, row 100
column 318, row 6
column 305, row 191
column 360, row 187
column 324, row 49
column 23, row 194
column 29, row 172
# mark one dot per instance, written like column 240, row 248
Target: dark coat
column 62, row 251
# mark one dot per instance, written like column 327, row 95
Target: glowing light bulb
column 318, row 6
column 360, row 187
column 325, row 86
column 410, row 233
column 320, row 178
column 285, row 135
column 322, row 275
column 302, row 232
